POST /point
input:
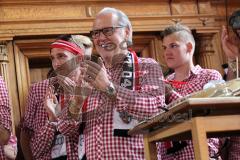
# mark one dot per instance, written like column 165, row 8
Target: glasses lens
column 108, row 31
column 95, row 33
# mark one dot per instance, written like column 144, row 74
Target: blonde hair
column 83, row 42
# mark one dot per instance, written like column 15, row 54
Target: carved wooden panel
column 43, row 17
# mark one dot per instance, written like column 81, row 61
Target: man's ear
column 127, row 32
column 189, row 47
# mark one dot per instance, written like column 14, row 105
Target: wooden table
column 210, row 117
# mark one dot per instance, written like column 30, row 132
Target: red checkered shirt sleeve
column 234, row 149
column 66, row 125
column 213, row 75
column 5, row 118
column 144, row 103
column 4, row 106
column 30, row 110
column 42, row 141
column 35, row 122
column 70, row 129
column 43, row 132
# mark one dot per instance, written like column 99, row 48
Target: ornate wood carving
column 42, row 17
column 3, row 52
column 206, row 53
column 3, row 61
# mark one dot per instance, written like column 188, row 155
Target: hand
column 230, row 47
column 51, row 105
column 67, row 84
column 79, row 88
column 96, row 75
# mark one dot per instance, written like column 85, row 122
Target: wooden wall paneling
column 23, row 77
column 158, row 48
column 208, row 54
column 38, row 74
column 217, row 61
column 220, row 55
column 205, row 7
column 146, row 51
column 152, row 52
column 13, row 89
column 184, row 8
column 77, row 16
column 36, row 49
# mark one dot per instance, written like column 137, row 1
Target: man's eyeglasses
column 106, row 31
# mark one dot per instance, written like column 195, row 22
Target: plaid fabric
column 197, row 79
column 5, row 118
column 234, row 149
column 42, row 132
column 99, row 140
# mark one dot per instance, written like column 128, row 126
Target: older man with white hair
column 127, row 89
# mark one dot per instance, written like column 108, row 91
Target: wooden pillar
column 4, row 62
column 4, row 72
column 206, row 54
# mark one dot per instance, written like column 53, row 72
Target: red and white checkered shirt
column 195, row 82
column 41, row 131
column 5, row 118
column 234, row 149
column 100, row 143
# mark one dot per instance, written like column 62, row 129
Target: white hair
column 123, row 19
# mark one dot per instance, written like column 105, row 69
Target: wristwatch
column 54, row 124
column 110, row 90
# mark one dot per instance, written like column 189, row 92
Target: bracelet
column 74, row 115
column 54, row 124
column 233, row 65
column 73, row 111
